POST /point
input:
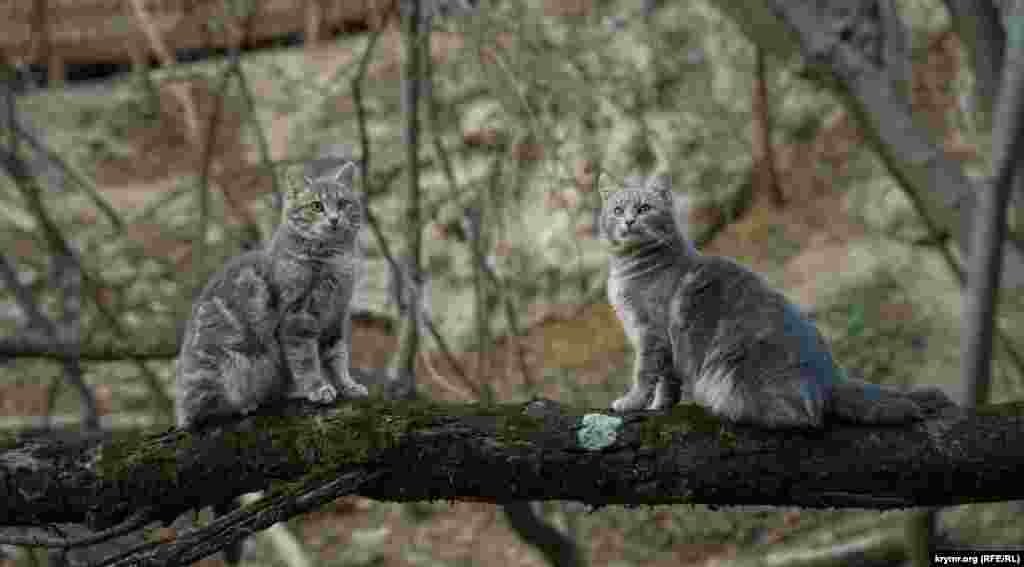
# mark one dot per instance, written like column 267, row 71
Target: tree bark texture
column 539, row 450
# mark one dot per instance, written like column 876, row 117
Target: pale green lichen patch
column 598, row 431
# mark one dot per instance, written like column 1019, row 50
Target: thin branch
column 73, row 174
column 68, row 276
column 401, row 383
column 239, row 524
column 511, row 310
column 33, row 539
column 559, row 550
column 254, row 122
column 26, row 302
column 763, row 150
column 68, row 271
column 983, row 36
column 371, row 219
column 18, row 170
column 203, row 186
column 167, row 59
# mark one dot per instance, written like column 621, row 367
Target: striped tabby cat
column 274, row 323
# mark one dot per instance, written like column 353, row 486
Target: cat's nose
column 629, row 222
column 334, row 221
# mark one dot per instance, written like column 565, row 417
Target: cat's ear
column 345, row 174
column 635, row 181
column 661, row 184
column 293, row 180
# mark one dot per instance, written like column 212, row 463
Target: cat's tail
column 864, row 402
column 200, row 398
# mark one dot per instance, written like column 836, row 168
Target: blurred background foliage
column 530, row 100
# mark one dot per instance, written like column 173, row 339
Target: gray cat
column 274, row 323
column 710, row 330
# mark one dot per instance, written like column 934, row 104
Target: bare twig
column 203, row 187
column 371, row 219
column 261, row 138
column 382, row 241
column 977, row 25
column 232, row 528
column 167, row 59
column 68, row 276
column 65, row 168
column 209, row 141
column 402, row 383
column 433, row 114
column 34, row 539
column 23, row 296
column 67, row 271
column 763, row 150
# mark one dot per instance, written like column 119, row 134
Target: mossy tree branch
column 537, row 451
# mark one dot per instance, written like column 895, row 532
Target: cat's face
column 326, row 207
column 636, row 214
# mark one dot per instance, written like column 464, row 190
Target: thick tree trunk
column 515, row 452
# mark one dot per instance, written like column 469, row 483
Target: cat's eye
column 618, row 210
column 643, row 209
column 318, row 206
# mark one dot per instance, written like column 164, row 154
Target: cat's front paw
column 630, row 402
column 322, row 394
column 353, row 389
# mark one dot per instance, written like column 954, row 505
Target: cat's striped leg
column 652, row 365
column 301, row 353
column 667, row 392
column 337, row 361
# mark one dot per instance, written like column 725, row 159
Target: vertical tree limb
column 166, row 58
column 67, row 272
column 402, row 369
column 977, row 24
column 985, row 261
column 763, row 151
column 364, row 169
